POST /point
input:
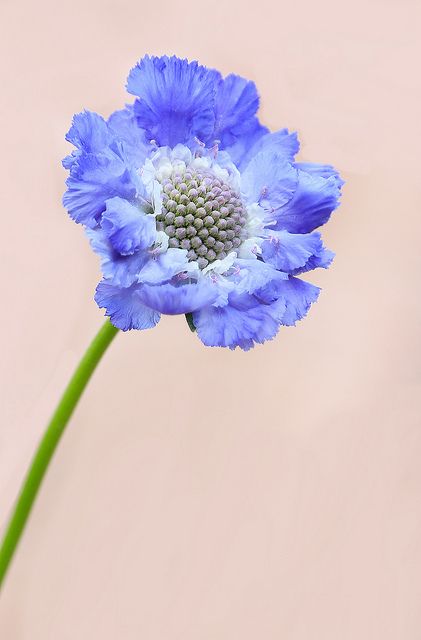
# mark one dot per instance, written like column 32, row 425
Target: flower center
column 202, row 214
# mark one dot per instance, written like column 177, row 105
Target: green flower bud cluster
column 202, row 214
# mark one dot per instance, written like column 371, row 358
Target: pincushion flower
column 195, row 208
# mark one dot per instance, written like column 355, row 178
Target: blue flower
column 194, row 207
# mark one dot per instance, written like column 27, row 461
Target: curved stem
column 49, row 442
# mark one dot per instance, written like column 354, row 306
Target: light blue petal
column 282, row 142
column 270, row 180
column 176, row 99
column 295, row 252
column 127, row 228
column 119, row 270
column 297, row 295
column 321, row 170
column 242, row 323
column 236, row 104
column 321, row 261
column 249, row 319
column 123, row 125
column 253, row 274
column 89, row 133
column 124, row 307
column 239, row 150
column 93, row 180
column 179, row 298
column 313, row 202
column 164, row 266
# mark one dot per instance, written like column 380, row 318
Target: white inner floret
column 198, row 207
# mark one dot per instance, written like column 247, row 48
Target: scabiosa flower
column 195, row 208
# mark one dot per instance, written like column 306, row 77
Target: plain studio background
column 198, row 493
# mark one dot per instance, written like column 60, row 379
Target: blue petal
column 119, row 270
column 241, row 323
column 322, row 261
column 253, row 274
column 177, row 99
column 270, row 180
column 239, row 150
column 282, row 142
column 295, row 253
column 164, row 266
column 127, row 228
column 93, row 180
column 297, row 295
column 179, row 298
column 248, row 319
column 89, row 133
column 124, row 307
column 236, row 104
column 321, row 170
column 123, row 124
column 313, row 202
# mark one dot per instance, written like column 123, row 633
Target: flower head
column 196, row 208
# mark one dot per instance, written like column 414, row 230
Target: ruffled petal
column 316, row 197
column 179, row 298
column 322, row 261
column 176, row 99
column 297, row 295
column 270, row 180
column 282, row 142
column 239, row 150
column 241, row 323
column 119, row 270
column 124, row 307
column 92, row 181
column 123, row 125
column 321, row 170
column 236, row 104
column 253, row 274
column 295, row 253
column 127, row 227
column 89, row 133
column 164, row 266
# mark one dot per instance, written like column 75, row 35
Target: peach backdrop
column 198, row 493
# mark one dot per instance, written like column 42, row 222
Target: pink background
column 198, row 493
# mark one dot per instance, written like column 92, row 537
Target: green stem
column 49, row 443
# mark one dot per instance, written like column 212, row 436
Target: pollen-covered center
column 202, row 214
